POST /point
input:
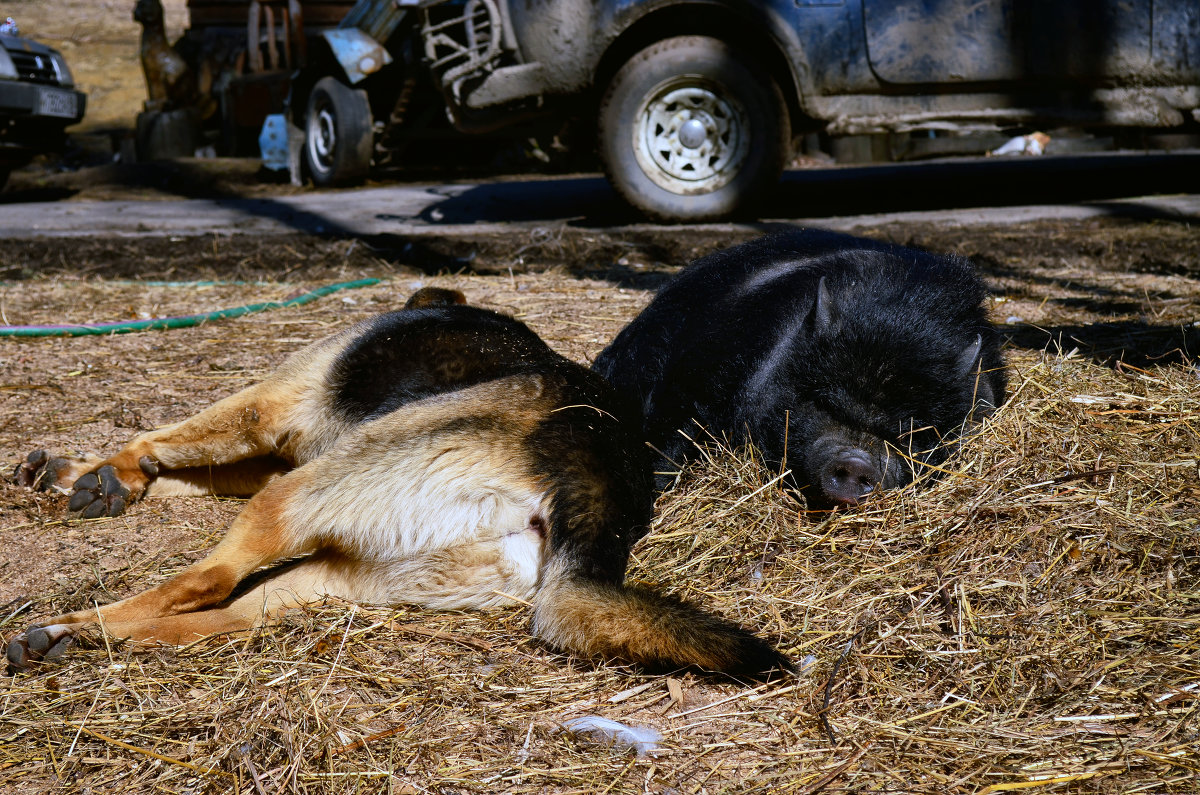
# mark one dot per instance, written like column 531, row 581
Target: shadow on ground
column 1124, row 344
column 597, row 241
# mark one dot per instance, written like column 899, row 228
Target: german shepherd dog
column 440, row 455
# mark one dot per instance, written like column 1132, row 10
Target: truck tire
column 691, row 129
column 339, row 134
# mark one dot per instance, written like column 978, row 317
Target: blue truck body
column 841, row 67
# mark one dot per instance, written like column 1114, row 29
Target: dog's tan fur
column 452, row 554
column 442, row 502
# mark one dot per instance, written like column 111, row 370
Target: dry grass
column 1029, row 623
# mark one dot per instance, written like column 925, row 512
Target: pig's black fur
column 837, row 356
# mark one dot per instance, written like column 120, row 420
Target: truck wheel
column 339, row 135
column 691, row 129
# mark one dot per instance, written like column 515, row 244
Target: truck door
column 1176, row 46
column 988, row 41
column 1088, row 40
column 943, row 41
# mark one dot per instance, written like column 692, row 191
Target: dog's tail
column 594, row 464
column 581, row 615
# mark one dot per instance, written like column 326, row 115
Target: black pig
column 849, row 361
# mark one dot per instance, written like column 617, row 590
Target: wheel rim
column 690, row 136
column 322, row 137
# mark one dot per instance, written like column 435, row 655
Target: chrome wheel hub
column 689, row 138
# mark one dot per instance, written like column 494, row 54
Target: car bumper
column 33, row 118
column 48, row 104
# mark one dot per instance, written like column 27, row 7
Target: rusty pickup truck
column 696, row 104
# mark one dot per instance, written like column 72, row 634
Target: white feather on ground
column 641, row 738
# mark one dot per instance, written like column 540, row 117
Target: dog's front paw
column 38, row 644
column 40, row 470
column 99, row 493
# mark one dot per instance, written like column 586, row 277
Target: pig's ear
column 823, row 310
column 968, row 368
column 968, row 357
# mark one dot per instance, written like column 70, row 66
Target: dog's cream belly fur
column 435, row 519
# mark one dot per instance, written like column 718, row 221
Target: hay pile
column 1030, row 622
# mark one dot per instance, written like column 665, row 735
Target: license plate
column 57, row 103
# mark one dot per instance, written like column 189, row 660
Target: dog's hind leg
column 293, row 585
column 261, row 535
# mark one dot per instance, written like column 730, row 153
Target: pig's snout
column 849, row 477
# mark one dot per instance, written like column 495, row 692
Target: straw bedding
column 1029, row 622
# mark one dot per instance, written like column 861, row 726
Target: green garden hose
column 127, row 327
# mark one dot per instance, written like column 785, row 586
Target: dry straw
column 1028, row 623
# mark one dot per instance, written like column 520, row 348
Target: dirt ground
column 1102, row 320
column 1082, row 299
